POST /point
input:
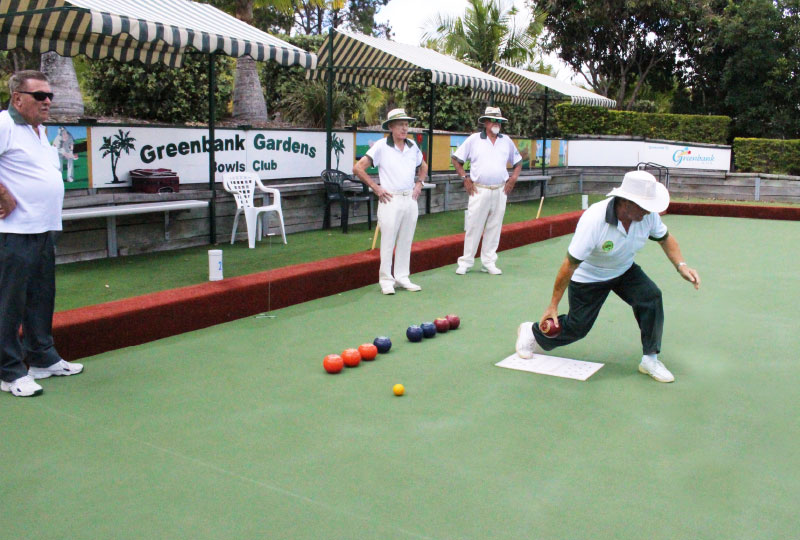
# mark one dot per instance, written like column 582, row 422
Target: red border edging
column 96, row 329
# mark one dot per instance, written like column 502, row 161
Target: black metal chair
column 335, row 191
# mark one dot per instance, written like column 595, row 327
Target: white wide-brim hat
column 642, row 188
column 492, row 113
column 396, row 114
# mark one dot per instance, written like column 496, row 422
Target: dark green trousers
column 27, row 299
column 586, row 299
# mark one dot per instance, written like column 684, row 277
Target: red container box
column 154, row 181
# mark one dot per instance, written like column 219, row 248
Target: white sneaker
column 23, row 387
column 461, row 270
column 526, row 341
column 407, row 285
column 652, row 366
column 387, row 290
column 59, row 369
column 492, row 270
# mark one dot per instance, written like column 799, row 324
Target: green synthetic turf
column 236, row 432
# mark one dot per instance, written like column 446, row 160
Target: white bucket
column 214, row 264
column 584, row 202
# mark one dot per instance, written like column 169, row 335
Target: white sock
column 650, row 357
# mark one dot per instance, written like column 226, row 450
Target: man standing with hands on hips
column 599, row 260
column 397, row 159
column 488, row 184
column 31, row 197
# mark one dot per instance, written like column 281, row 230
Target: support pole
column 544, row 129
column 329, row 110
column 212, row 163
column 431, row 110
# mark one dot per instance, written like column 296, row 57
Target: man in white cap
column 600, row 260
column 487, row 184
column 398, row 160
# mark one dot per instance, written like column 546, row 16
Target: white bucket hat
column 396, row 114
column 642, row 188
column 492, row 113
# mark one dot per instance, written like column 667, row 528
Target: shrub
column 775, row 156
column 158, row 92
column 587, row 120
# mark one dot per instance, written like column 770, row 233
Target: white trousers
column 398, row 220
column 485, row 213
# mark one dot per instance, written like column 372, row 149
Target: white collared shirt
column 602, row 243
column 488, row 162
column 31, row 171
column 396, row 168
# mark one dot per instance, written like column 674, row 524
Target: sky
column 407, row 17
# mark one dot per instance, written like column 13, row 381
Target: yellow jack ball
column 398, row 389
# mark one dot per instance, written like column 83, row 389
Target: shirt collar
column 16, row 116
column 390, row 142
column 611, row 212
column 485, row 136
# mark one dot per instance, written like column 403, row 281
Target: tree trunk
column 68, row 100
column 248, row 98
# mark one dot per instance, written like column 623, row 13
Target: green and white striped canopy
column 151, row 31
column 533, row 83
column 368, row 60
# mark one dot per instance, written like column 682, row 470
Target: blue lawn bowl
column 414, row 333
column 383, row 344
column 428, row 329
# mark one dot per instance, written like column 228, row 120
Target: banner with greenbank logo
column 273, row 154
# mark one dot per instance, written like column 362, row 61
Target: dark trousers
column 27, row 299
column 586, row 299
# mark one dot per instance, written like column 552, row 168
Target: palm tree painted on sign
column 121, row 141
column 337, row 145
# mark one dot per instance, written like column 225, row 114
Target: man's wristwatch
column 678, row 266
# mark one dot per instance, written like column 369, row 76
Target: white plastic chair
column 242, row 186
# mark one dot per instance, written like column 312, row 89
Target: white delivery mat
column 552, row 365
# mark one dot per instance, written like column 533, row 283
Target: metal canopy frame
column 165, row 36
column 330, row 70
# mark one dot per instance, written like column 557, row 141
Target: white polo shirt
column 488, row 162
column 31, row 171
column 396, row 168
column 602, row 243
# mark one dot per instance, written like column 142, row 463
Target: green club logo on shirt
column 608, row 245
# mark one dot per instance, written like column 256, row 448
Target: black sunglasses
column 38, row 96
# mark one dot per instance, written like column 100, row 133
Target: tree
column 68, row 100
column 618, row 46
column 742, row 60
column 488, row 32
column 114, row 147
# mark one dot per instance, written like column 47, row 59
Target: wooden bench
column 111, row 212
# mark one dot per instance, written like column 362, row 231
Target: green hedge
column 776, row 156
column 587, row 120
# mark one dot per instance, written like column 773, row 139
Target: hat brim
column 493, row 118
column 658, row 204
column 386, row 123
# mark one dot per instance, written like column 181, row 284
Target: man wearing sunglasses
column 31, row 197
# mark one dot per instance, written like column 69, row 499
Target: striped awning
column 151, row 31
column 533, row 83
column 368, row 60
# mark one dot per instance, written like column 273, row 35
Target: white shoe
column 492, row 270
column 23, row 387
column 526, row 341
column 461, row 270
column 407, row 285
column 59, row 369
column 387, row 290
column 652, row 366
